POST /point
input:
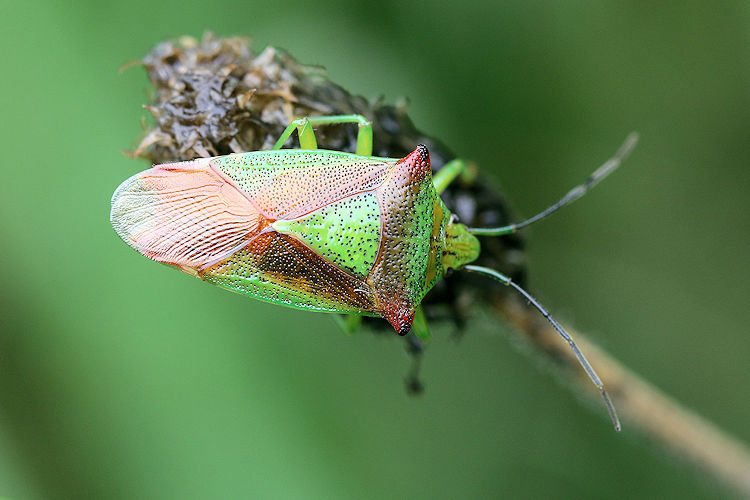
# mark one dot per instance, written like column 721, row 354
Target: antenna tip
column 630, row 141
column 612, row 411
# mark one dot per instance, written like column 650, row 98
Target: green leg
column 304, row 131
column 304, row 127
column 349, row 323
column 451, row 170
column 419, row 327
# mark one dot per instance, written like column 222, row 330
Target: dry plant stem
column 642, row 406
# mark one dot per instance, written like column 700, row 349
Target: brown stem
column 642, row 406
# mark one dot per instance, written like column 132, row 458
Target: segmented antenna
column 600, row 173
column 581, row 358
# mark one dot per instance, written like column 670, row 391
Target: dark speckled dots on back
column 399, row 274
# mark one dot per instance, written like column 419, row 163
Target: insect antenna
column 600, row 173
column 581, row 358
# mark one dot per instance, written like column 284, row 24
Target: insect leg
column 419, row 327
column 448, row 173
column 415, row 349
column 304, row 127
column 364, row 132
column 349, row 323
column 304, row 131
column 420, row 333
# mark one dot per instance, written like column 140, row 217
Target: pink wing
column 185, row 214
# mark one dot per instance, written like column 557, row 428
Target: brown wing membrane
column 281, row 269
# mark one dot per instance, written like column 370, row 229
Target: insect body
column 315, row 229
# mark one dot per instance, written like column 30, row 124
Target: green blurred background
column 120, row 378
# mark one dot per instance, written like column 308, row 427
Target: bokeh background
column 120, row 378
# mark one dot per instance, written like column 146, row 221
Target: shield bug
column 319, row 230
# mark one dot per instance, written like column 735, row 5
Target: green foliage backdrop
column 120, row 378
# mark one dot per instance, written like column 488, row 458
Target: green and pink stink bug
column 319, row 230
